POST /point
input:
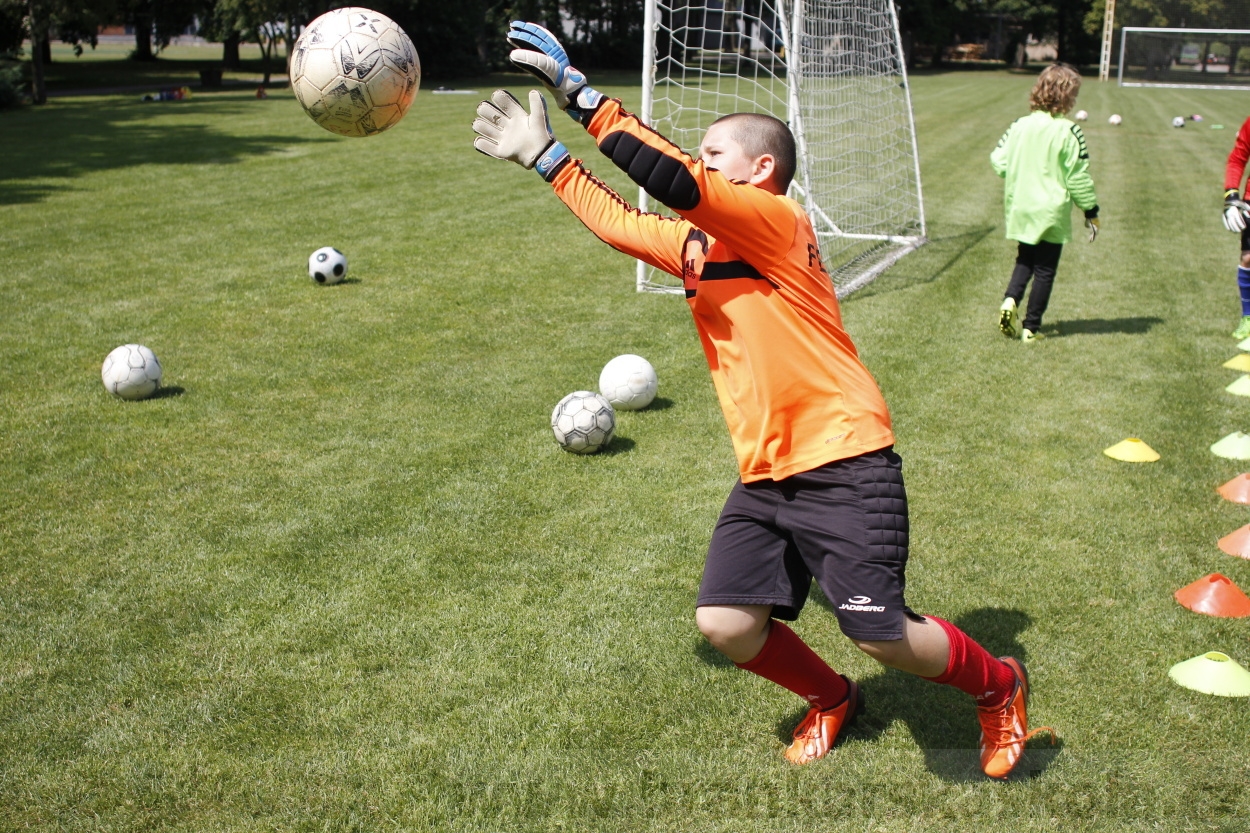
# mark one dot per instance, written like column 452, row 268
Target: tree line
column 465, row 38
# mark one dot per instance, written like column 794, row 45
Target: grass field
column 339, row 577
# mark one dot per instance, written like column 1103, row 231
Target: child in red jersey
column 821, row 492
column 1235, row 213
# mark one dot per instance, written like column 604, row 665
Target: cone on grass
column 1244, row 344
column 1241, row 387
column 1237, row 543
column 1236, row 490
column 1241, row 362
column 1132, row 450
column 1212, row 673
column 1236, row 446
column 1215, row 595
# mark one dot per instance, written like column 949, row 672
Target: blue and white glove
column 1235, row 211
column 539, row 52
column 505, row 131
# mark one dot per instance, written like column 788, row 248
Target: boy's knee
column 732, row 631
column 886, row 653
column 1245, row 260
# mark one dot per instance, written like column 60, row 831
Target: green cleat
column 1243, row 329
column 1009, row 319
column 1028, row 336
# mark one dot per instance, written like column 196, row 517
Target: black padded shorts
column 844, row 524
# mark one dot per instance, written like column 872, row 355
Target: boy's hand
column 1235, row 211
column 505, row 131
column 539, row 52
column 1091, row 223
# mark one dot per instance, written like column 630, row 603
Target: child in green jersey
column 1043, row 159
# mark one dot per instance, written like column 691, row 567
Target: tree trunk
column 143, row 39
column 38, row 37
column 230, row 50
column 46, row 49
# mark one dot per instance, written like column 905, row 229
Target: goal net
column 1196, row 58
column 834, row 71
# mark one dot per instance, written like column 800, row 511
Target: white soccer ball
column 131, row 372
column 1179, row 121
column 583, row 422
column 628, row 382
column 327, row 265
column 354, row 71
column 1081, row 115
column 1115, row 118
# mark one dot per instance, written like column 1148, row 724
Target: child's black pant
column 1039, row 261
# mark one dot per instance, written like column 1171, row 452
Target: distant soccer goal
column 834, row 71
column 1209, row 59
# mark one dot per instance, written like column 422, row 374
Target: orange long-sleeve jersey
column 794, row 393
column 1236, row 167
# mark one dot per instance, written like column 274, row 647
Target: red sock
column 972, row 670
column 787, row 661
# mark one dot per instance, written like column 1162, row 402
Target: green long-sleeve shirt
column 1046, row 165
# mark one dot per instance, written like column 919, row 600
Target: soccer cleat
column 1005, row 728
column 818, row 731
column 1243, row 329
column 1008, row 318
column 1028, row 336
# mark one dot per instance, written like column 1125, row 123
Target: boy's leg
column 1045, row 264
column 1026, row 255
column 1243, row 286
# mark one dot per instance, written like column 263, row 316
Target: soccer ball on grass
column 354, row 71
column 1179, row 121
column 327, row 265
column 583, row 422
column 1115, row 118
column 628, row 382
column 131, row 372
column 1081, row 115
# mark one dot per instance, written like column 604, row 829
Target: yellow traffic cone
column 1132, row 450
column 1241, row 362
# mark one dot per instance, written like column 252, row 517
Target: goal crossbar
column 1160, row 67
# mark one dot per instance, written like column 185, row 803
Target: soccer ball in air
column 131, row 372
column 1081, row 115
column 628, row 382
column 1115, row 118
column 583, row 422
column 327, row 265
column 354, row 71
column 1179, row 121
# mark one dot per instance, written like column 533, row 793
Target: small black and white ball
column 583, row 422
column 131, row 372
column 327, row 265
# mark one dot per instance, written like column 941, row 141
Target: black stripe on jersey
column 1080, row 139
column 663, row 177
column 728, row 270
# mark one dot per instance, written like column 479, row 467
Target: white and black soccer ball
column 1179, row 121
column 628, row 382
column 583, row 422
column 1115, row 118
column 1081, row 115
column 327, row 265
column 354, row 71
column 131, row 372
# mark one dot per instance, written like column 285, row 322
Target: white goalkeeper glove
column 1235, row 211
column 505, row 131
column 1091, row 223
column 539, row 52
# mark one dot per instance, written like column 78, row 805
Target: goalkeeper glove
column 505, row 131
column 1235, row 211
column 539, row 53
column 1091, row 223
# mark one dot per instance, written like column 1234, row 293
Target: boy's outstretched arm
column 1074, row 161
column 757, row 225
column 506, row 131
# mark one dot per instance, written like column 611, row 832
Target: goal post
column 834, row 71
column 1205, row 59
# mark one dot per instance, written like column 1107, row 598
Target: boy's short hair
column 759, row 134
column 1056, row 89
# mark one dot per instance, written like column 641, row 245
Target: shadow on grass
column 1101, row 326
column 68, row 139
column 659, row 404
column 926, row 264
column 164, row 392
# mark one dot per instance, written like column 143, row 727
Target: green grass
column 340, row 577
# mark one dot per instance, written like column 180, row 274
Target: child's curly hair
column 1056, row 89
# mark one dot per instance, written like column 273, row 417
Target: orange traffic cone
column 1236, row 490
column 1237, row 543
column 1215, row 595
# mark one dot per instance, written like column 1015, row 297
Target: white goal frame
column 1124, row 32
column 822, row 72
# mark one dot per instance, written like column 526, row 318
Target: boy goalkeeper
column 1045, row 164
column 1235, row 213
column 821, row 490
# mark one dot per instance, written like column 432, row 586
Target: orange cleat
column 818, row 731
column 1005, row 728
